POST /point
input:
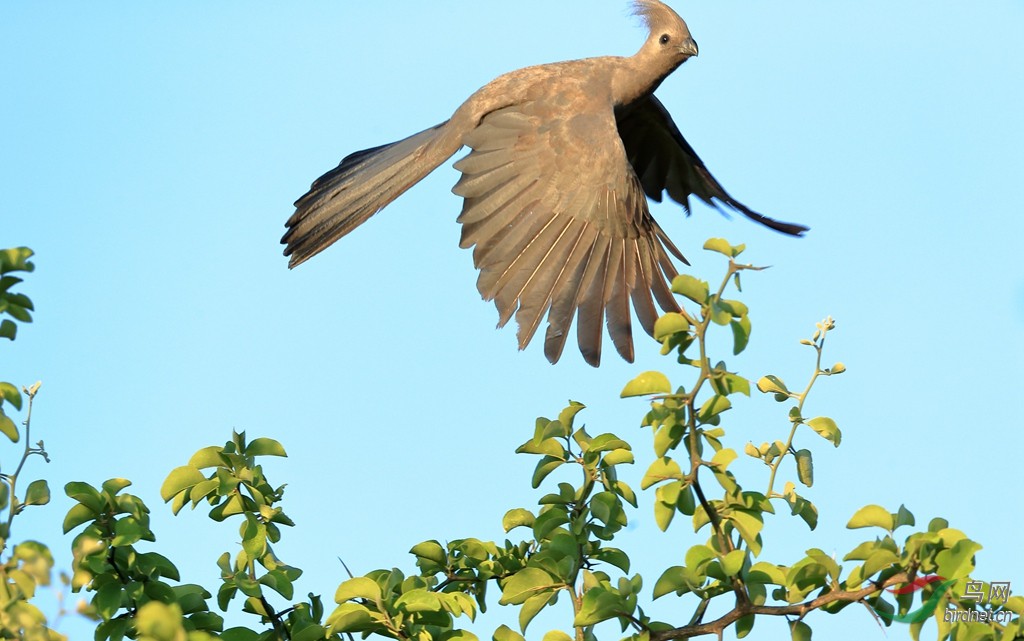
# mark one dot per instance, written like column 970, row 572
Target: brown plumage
column 563, row 158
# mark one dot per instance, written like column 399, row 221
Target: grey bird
column 563, row 158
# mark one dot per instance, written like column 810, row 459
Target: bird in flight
column 563, row 158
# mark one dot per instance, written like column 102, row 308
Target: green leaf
column 566, row 416
column 647, row 383
column 505, row 633
column 85, row 494
column 826, row 561
column 360, row 587
column 805, row 467
column 612, row 556
column 764, row 572
column 800, row 631
column 728, row 383
column 862, row 551
column 18, row 300
column 545, row 466
column 349, row 617
column 37, row 493
column 606, row 443
column 599, row 605
column 532, row 607
column 663, row 514
column 877, row 561
column 721, row 312
column 207, row 457
column 113, row 486
column 525, row 584
column 180, row 478
column 78, row 515
column 279, row 582
column 128, row 531
column 687, row 503
column 226, row 592
column 617, row 457
column 732, row 563
column 10, row 394
column 740, row 334
column 156, row 620
column 16, row 259
column 698, row 557
column 8, row 428
column 723, row 247
column 607, row 508
column 827, row 429
column 556, row 635
column 8, row 329
column 669, row 324
column 662, row 469
column 737, row 308
column 108, row 600
column 152, row 563
column 1015, row 604
column 431, row 551
column 723, row 458
column 517, row 517
column 254, row 538
column 802, row 507
column 547, row 446
column 773, row 385
column 19, row 312
column 550, row 430
column 7, row 282
column 265, row 447
column 419, row 600
column 749, row 525
column 871, row 516
column 311, row 632
column 672, row 580
column 24, row 582
column 744, row 625
column 903, row 517
column 690, row 287
column 713, row 407
column 958, row 561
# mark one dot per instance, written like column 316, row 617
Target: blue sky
column 150, row 154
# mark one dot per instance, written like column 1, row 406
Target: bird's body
column 554, row 190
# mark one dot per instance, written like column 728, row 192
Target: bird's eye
column 664, row 39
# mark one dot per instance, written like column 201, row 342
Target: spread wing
column 561, row 227
column 665, row 162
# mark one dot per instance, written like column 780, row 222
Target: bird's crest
column 654, row 14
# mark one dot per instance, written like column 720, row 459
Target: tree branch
column 799, row 610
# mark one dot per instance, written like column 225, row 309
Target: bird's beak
column 688, row 47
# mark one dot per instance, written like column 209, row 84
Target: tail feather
column 360, row 186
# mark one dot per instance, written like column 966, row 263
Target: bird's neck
column 639, row 75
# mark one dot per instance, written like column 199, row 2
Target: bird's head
column 669, row 38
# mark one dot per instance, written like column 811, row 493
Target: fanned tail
column 360, row 186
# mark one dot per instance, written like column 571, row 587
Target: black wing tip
column 790, row 229
column 295, row 249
